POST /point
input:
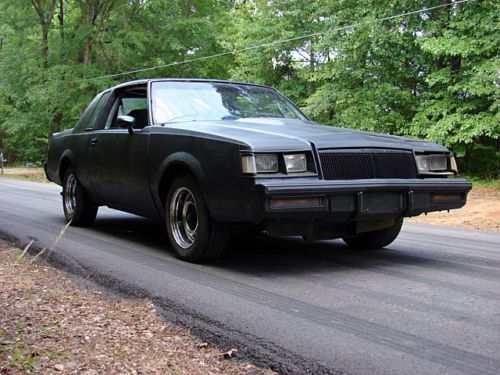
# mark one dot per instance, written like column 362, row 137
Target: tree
column 432, row 75
column 461, row 98
column 45, row 11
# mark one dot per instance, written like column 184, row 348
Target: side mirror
column 125, row 121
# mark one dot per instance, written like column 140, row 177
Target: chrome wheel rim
column 183, row 217
column 70, row 194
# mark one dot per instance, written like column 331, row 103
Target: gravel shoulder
column 53, row 324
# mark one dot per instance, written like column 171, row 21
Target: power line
column 275, row 42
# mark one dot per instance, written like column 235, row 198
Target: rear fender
column 66, row 157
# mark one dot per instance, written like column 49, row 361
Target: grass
column 24, row 178
column 26, row 174
column 24, row 361
column 480, row 182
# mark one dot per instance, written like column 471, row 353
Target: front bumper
column 354, row 200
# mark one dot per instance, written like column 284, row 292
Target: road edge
column 252, row 349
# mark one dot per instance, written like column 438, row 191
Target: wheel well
column 169, row 176
column 65, row 163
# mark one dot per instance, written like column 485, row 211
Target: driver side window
column 132, row 103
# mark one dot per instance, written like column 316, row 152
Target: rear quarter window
column 93, row 114
column 83, row 122
column 97, row 118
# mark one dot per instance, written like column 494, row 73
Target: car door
column 121, row 158
column 89, row 121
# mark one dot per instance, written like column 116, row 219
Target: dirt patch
column 482, row 211
column 33, row 174
column 51, row 324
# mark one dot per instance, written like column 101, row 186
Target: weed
column 22, row 361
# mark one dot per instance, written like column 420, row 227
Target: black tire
column 77, row 205
column 193, row 234
column 376, row 239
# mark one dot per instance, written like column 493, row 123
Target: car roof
column 146, row 80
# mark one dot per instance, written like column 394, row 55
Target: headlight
column 259, row 163
column 248, row 164
column 276, row 163
column 295, row 163
column 428, row 163
column 266, row 163
column 438, row 163
column 422, row 163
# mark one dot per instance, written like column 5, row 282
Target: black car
column 209, row 155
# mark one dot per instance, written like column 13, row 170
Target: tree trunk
column 89, row 20
column 45, row 46
column 95, row 13
column 61, row 19
column 45, row 18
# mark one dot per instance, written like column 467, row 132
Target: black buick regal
column 209, row 155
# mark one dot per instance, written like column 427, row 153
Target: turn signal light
column 295, row 203
column 441, row 198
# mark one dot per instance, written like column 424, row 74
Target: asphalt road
column 429, row 304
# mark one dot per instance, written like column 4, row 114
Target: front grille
column 360, row 164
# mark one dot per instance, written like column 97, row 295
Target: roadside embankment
column 53, row 324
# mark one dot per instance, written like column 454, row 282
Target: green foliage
column 488, row 183
column 459, row 106
column 24, row 361
column 37, row 100
column 432, row 75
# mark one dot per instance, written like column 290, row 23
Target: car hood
column 265, row 134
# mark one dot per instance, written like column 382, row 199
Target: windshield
column 208, row 101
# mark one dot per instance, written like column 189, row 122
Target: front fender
column 178, row 159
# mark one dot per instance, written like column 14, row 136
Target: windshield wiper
column 268, row 115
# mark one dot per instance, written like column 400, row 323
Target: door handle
column 93, row 141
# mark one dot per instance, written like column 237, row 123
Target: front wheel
column 77, row 205
column 193, row 234
column 375, row 239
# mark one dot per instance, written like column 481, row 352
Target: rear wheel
column 77, row 205
column 193, row 234
column 376, row 239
